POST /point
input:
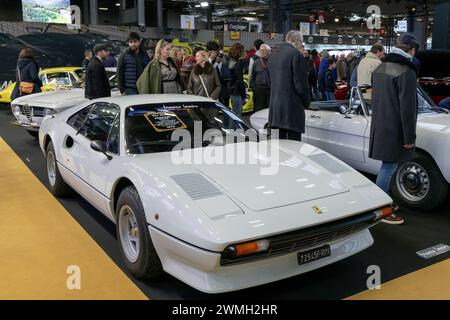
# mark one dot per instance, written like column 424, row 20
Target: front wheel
column 134, row 238
column 418, row 184
column 58, row 187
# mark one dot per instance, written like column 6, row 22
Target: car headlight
column 16, row 111
column 48, row 112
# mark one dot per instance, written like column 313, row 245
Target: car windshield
column 149, row 128
column 58, row 78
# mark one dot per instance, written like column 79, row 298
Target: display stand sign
column 235, row 35
column 238, row 26
column 187, row 22
column 304, row 28
column 164, row 121
column 401, row 26
column 218, row 26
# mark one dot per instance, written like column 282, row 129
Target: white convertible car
column 29, row 110
column 217, row 227
column 342, row 128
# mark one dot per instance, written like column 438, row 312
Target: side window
column 99, row 121
column 43, row 79
column 76, row 121
column 73, row 80
column 112, row 145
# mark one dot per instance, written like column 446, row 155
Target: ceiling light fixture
column 103, row 9
column 336, row 20
column 117, row 4
column 204, row 4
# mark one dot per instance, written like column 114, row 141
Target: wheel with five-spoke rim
column 135, row 242
column 419, row 184
column 57, row 185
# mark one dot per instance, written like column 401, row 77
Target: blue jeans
column 237, row 103
column 385, row 175
column 445, row 103
column 330, row 96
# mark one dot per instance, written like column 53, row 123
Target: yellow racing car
column 52, row 79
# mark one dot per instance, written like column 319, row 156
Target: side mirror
column 100, row 146
column 343, row 109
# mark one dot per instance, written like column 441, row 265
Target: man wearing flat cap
column 394, row 112
column 97, row 82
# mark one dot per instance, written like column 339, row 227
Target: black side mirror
column 100, row 146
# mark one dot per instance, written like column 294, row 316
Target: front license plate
column 313, row 254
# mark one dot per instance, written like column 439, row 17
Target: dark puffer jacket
column 130, row 67
column 29, row 72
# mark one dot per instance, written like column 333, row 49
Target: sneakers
column 393, row 219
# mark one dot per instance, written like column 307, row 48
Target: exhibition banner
column 47, row 11
column 187, row 22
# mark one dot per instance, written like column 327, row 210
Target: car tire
column 418, row 184
column 58, row 187
column 34, row 134
column 140, row 257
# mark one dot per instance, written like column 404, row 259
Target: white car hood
column 434, row 122
column 297, row 179
column 53, row 98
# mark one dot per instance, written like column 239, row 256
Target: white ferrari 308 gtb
column 215, row 225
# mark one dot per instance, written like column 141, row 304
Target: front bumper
column 32, row 125
column 201, row 269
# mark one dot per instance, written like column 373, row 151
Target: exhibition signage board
column 218, row 26
column 238, row 26
column 235, row 35
column 344, row 40
column 187, row 22
column 47, row 11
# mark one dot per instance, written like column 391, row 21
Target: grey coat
column 289, row 90
column 210, row 78
column 394, row 109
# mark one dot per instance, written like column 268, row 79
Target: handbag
column 24, row 87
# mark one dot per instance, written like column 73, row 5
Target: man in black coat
column 131, row 64
column 97, row 82
column 394, row 112
column 289, row 91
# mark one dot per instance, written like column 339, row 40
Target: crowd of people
column 285, row 81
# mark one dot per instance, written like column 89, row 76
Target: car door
column 342, row 135
column 90, row 170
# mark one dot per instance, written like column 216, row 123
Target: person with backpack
column 27, row 75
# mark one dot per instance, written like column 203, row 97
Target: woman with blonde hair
column 204, row 80
column 162, row 74
column 175, row 54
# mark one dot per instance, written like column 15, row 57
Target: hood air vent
column 196, row 186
